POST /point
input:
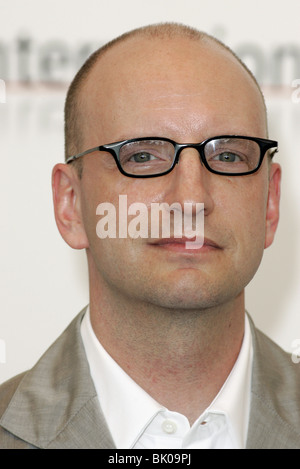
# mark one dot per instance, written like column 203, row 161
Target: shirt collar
column 233, row 399
column 130, row 411
column 127, row 412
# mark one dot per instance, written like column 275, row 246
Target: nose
column 190, row 182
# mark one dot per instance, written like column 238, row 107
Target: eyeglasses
column 229, row 155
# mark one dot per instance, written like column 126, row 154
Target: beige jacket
column 54, row 405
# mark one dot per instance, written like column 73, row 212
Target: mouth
column 186, row 245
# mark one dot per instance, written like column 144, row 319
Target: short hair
column 73, row 135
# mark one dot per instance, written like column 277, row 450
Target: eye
column 142, row 157
column 227, row 157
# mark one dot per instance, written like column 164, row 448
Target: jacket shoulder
column 277, row 367
column 275, row 397
column 7, row 391
column 55, row 403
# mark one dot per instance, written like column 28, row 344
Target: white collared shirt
column 135, row 420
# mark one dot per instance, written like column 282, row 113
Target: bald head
column 123, row 62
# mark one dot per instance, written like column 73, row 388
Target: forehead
column 169, row 79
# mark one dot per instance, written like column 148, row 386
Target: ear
column 272, row 213
column 66, row 199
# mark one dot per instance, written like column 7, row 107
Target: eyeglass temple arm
column 75, row 157
column 272, row 153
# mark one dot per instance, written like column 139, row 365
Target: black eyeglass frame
column 114, row 150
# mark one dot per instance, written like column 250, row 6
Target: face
column 187, row 92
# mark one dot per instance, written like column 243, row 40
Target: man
column 164, row 356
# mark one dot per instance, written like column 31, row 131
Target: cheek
column 246, row 214
column 108, row 200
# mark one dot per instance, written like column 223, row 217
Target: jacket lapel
column 55, row 405
column 267, row 430
column 86, row 430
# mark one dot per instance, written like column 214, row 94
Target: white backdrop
column 42, row 43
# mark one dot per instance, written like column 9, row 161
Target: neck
column 180, row 357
